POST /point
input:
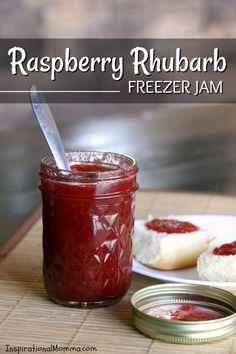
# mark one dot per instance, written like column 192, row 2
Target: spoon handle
column 48, row 126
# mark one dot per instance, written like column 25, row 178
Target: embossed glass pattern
column 88, row 218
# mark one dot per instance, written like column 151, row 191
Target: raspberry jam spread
column 87, row 226
column 228, row 249
column 170, row 226
column 92, row 167
column 185, row 312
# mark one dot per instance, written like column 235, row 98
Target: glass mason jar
column 88, row 220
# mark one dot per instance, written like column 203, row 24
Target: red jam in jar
column 227, row 249
column 183, row 312
column 170, row 226
column 88, row 219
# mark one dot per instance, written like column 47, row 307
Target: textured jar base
column 85, row 304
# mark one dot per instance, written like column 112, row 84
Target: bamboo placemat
column 28, row 318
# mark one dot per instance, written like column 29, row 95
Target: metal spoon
column 48, row 126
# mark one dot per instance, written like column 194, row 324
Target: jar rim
column 127, row 166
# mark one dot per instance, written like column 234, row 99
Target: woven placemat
column 28, row 319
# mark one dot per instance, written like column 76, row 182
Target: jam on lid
column 184, row 313
column 171, row 226
column 227, row 249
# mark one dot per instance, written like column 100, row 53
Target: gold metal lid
column 184, row 332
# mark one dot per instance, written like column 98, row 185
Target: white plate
column 222, row 226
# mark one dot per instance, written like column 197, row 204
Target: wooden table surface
column 28, row 318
